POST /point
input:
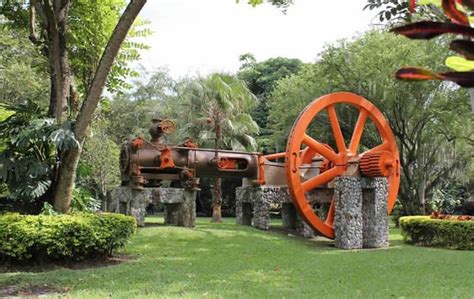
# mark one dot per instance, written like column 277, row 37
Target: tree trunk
column 217, row 193
column 65, row 182
column 217, row 201
column 69, row 160
column 54, row 21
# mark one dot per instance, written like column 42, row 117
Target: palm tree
column 217, row 116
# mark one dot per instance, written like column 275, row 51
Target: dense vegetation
column 62, row 237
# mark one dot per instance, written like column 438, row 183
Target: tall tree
column 52, row 18
column 217, row 115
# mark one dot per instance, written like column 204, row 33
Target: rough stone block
column 374, row 213
column 348, row 213
column 180, row 204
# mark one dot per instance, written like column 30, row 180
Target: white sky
column 203, row 36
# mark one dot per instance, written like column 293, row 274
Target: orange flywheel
column 382, row 160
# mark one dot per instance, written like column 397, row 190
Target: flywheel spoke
column 321, row 179
column 320, row 148
column 336, row 129
column 358, row 129
column 330, row 217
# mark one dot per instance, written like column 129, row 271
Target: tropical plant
column 216, row 115
column 31, row 143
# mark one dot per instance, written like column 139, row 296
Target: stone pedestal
column 348, row 213
column 180, row 204
column 374, row 213
column 253, row 205
column 360, row 218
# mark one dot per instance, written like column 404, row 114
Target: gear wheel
column 377, row 164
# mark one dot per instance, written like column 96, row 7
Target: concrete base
column 180, row 204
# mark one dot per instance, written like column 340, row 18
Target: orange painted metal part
column 338, row 160
column 274, row 156
column 226, row 163
column 166, row 158
column 377, row 164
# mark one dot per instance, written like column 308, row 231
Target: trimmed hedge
column 67, row 237
column 424, row 231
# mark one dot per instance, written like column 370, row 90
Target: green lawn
column 225, row 260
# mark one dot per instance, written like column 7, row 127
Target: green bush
column 67, row 237
column 424, row 231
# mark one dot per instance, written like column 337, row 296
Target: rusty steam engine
column 309, row 165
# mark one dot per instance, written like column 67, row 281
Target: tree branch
column 33, row 36
column 105, row 65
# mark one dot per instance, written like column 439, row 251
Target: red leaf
column 412, row 6
column 414, row 73
column 457, row 16
column 464, row 47
column 428, row 29
column 464, row 79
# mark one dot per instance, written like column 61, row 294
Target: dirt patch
column 54, row 265
column 30, row 291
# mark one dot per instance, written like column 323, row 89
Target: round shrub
column 67, row 237
column 425, row 231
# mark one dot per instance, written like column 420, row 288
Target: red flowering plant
column 459, row 13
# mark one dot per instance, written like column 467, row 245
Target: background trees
column 426, row 118
column 261, row 78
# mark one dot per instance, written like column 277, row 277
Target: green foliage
column 100, row 161
column 90, row 25
column 220, row 104
column 261, row 79
column 23, row 69
column 449, row 198
column 130, row 114
column 397, row 11
column 66, row 237
column 30, row 148
column 452, row 234
column 83, row 201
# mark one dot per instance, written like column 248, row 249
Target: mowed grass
column 228, row 261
